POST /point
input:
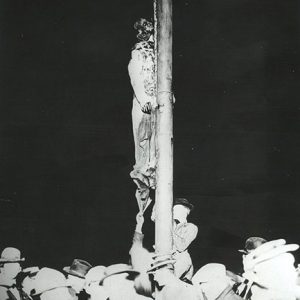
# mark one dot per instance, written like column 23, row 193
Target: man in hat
column 92, row 280
column 10, row 267
column 50, row 284
column 269, row 269
column 76, row 277
column 183, row 235
column 212, row 282
column 27, row 279
column 169, row 285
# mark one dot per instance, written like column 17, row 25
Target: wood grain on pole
column 164, row 130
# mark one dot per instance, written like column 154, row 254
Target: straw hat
column 95, row 274
column 209, row 272
column 48, row 279
column 119, row 269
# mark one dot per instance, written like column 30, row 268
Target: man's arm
column 138, row 235
column 184, row 236
column 141, row 258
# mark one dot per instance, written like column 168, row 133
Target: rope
column 168, row 92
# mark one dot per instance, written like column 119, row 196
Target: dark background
column 66, row 146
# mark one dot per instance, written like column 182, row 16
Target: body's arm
column 135, row 70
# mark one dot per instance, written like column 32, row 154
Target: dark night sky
column 66, row 147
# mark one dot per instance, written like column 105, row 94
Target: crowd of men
column 269, row 272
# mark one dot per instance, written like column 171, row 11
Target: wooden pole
column 164, row 131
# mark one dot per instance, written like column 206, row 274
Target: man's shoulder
column 191, row 226
column 3, row 292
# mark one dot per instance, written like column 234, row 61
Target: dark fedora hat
column 183, row 202
column 252, row 243
column 79, row 268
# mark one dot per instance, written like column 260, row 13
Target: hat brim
column 71, row 272
column 4, row 260
column 130, row 271
column 39, row 292
column 159, row 265
column 31, row 270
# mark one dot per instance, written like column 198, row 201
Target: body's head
column 145, row 29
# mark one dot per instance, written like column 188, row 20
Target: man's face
column 11, row 270
column 180, row 212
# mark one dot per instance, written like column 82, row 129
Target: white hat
column 209, row 272
column 48, row 279
column 11, row 255
column 95, row 274
column 118, row 269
